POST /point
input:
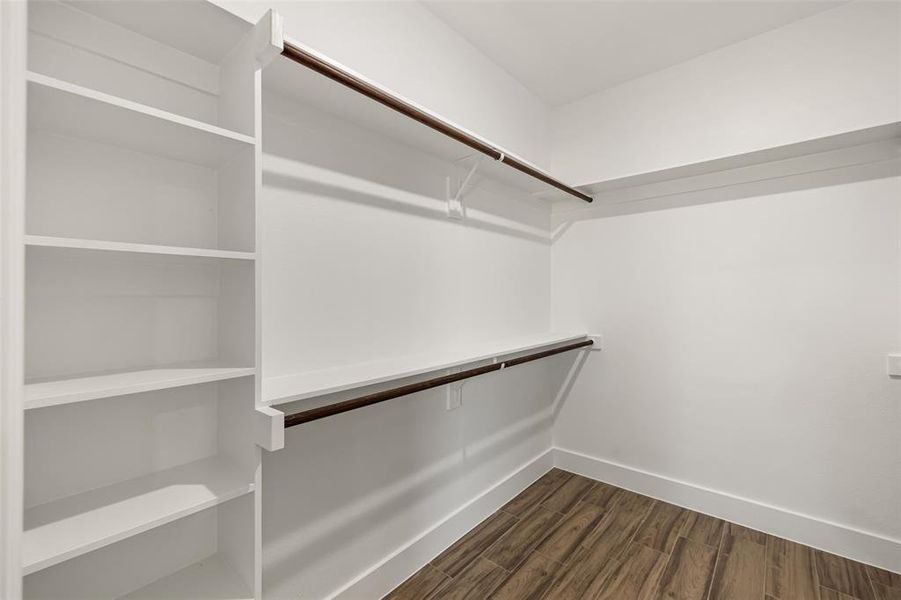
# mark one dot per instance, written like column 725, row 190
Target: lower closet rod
column 314, row 414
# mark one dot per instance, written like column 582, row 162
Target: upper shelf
column 326, row 85
column 176, row 26
column 300, row 386
column 861, row 146
column 80, row 112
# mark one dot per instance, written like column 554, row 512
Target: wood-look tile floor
column 569, row 537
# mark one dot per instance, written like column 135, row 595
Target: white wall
column 833, row 72
column 744, row 364
column 408, row 50
column 361, row 262
column 745, row 347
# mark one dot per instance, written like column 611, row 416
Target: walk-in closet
column 430, row 299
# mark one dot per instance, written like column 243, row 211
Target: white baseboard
column 395, row 568
column 836, row 538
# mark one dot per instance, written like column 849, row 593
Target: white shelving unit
column 143, row 404
column 141, row 367
column 313, row 384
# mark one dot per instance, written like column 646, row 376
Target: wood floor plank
column 602, row 494
column 636, row 577
column 529, row 581
column 883, row 577
column 843, row 575
column 662, row 527
column 689, row 572
column 740, row 570
column 421, row 585
column 567, row 496
column 475, row 582
column 627, row 513
column 734, row 531
column 884, row 592
column 590, row 565
column 465, row 550
column 827, row 594
column 518, row 542
column 568, row 534
column 791, row 571
column 535, row 493
column 704, row 529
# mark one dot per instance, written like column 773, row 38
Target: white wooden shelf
column 848, row 148
column 300, row 386
column 208, row 579
column 80, row 112
column 312, row 89
column 69, row 527
column 79, row 244
column 80, row 389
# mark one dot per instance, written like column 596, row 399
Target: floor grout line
column 716, row 563
column 876, row 594
column 483, row 557
column 669, row 558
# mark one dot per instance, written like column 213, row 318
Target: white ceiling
column 563, row 51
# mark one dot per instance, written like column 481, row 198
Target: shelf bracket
column 454, row 391
column 454, row 195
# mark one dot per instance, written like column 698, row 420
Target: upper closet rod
column 314, row 414
column 335, row 73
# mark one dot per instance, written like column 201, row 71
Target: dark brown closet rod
column 315, row 63
column 322, row 412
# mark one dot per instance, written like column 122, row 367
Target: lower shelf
column 72, row 526
column 209, row 579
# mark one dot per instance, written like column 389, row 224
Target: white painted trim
column 836, row 538
column 862, row 546
column 13, row 32
column 384, row 576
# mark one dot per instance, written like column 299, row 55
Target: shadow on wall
column 313, row 152
column 348, row 491
column 333, row 186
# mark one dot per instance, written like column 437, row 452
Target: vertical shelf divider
column 240, row 109
column 13, row 52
